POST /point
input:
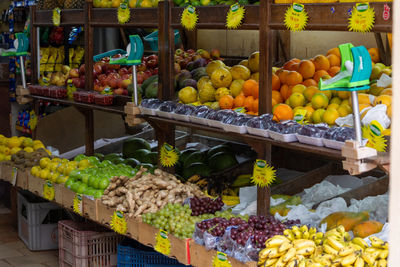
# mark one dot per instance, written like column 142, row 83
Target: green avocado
column 117, row 160
column 140, row 154
column 185, row 153
column 217, row 149
column 111, row 156
column 132, row 162
column 196, row 168
column 130, row 145
column 222, row 161
column 193, row 157
column 151, row 158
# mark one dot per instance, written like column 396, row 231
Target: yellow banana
column 297, row 234
column 347, row 236
column 347, row 250
column 341, row 229
column 312, row 230
column 285, row 246
column 382, row 263
column 319, row 235
column 377, row 242
column 359, row 241
column 315, row 264
column 306, row 235
column 355, row 246
column 299, row 243
column 280, row 263
column 276, row 241
column 330, row 250
column 295, row 228
column 359, row 262
column 383, row 254
column 304, row 228
column 349, row 259
column 318, row 242
column 306, row 251
column 270, row 262
column 260, row 261
column 337, row 261
column 372, row 250
column 289, row 255
column 335, row 243
column 292, row 263
column 368, row 258
column 268, row 252
column 318, row 251
column 289, row 234
column 302, row 263
column 323, row 260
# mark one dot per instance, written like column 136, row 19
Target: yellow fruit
column 254, row 61
column 84, row 163
column 14, row 150
column 328, row 93
column 236, row 87
column 44, row 162
column 28, row 142
column 67, row 170
column 203, row 80
column 344, row 110
column 44, row 173
column 296, row 100
column 317, row 115
column 35, row 171
column 221, row 92
column 8, row 157
column 215, row 105
column 376, row 72
column 383, row 99
column 298, row 88
column 213, row 65
column 146, row 4
column 38, row 146
column 361, row 107
column 2, row 157
column 363, row 99
column 310, row 91
column 319, row 100
column 54, row 176
column 244, row 62
column 375, row 89
column 48, row 151
column 187, row 95
column 206, row 93
column 52, row 166
column 333, row 105
column 240, row 72
column 387, row 91
column 343, row 94
column 255, row 76
column 56, row 160
column 132, row 3
column 310, row 111
column 14, row 142
column 64, row 160
column 61, row 167
column 345, row 102
column 6, row 151
column 35, row 142
column 221, row 77
column 28, row 149
column 330, row 116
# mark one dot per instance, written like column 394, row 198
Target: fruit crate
column 37, row 221
column 84, row 244
column 133, row 254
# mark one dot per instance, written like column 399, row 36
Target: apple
column 118, row 91
column 123, row 71
column 76, row 82
column 190, row 51
column 140, row 77
column 215, row 54
column 119, row 83
column 74, row 73
column 155, row 71
column 82, row 69
column 125, row 92
column 126, row 76
column 195, row 57
column 97, row 68
column 125, row 83
column 152, row 63
column 141, row 67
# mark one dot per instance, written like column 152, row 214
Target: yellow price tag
column 296, row 17
column 48, row 191
column 168, row 156
column 263, row 174
column 374, row 134
column 123, row 12
column 235, row 16
column 300, row 115
column 78, row 204
column 56, row 16
column 163, row 245
column 362, row 18
column 118, row 222
column 189, row 18
column 221, row 260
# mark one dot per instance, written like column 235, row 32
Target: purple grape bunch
column 204, row 205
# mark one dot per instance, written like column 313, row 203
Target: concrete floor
column 13, row 251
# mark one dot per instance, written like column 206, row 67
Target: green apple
column 82, row 187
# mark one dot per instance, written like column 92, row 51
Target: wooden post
column 394, row 185
column 33, row 44
column 88, row 47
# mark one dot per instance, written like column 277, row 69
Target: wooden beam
column 88, row 47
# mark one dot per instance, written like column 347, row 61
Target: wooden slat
column 69, row 17
column 140, row 17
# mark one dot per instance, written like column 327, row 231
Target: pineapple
column 73, row 4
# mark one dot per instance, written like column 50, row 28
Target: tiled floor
column 13, row 251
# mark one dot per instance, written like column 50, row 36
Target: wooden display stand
column 355, row 156
column 132, row 112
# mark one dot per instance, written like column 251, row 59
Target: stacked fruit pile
column 11, row 146
column 215, row 2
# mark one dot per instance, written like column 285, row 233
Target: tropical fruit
column 310, row 82
column 255, row 76
column 294, row 78
column 206, row 93
column 254, row 61
column 330, row 116
column 244, row 62
column 203, row 80
column 299, row 88
column 276, row 95
column 221, row 92
column 343, row 95
column 383, row 99
column 375, row 89
column 317, row 115
column 321, row 62
column 276, row 83
column 333, row 60
column 240, row 72
column 226, row 102
column 319, row 100
column 249, row 87
column 334, row 51
column 236, row 87
column 374, row 53
column 306, row 69
column 187, row 95
column 282, row 74
column 221, row 77
column 286, row 91
column 239, row 101
column 296, row 100
column 282, row 112
column 319, row 74
column 333, row 71
column 213, row 65
column 367, row 228
column 248, row 103
column 347, row 219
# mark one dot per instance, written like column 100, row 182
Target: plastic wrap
column 184, row 109
column 316, row 131
column 377, row 206
column 168, row 106
column 320, row 192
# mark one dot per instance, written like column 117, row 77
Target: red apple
column 147, row 74
column 82, row 69
column 76, row 82
column 74, row 73
column 126, row 76
column 141, row 67
column 122, row 71
column 125, row 92
column 152, row 63
column 155, row 71
column 125, row 83
column 140, row 77
column 97, row 68
column 119, row 91
column 119, row 82
column 215, row 54
column 113, row 83
column 190, row 51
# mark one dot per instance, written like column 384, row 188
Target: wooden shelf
column 110, row 109
column 69, row 17
column 214, row 17
column 140, row 17
column 321, row 151
column 322, row 17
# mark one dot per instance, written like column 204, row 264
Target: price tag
column 386, row 12
column 56, row 17
column 189, row 18
column 221, row 260
column 296, row 17
column 263, row 174
column 362, row 18
column 374, row 134
column 14, row 176
column 48, row 190
column 168, row 156
column 118, row 222
column 78, row 204
column 235, row 16
column 300, row 115
column 123, row 12
column 163, row 245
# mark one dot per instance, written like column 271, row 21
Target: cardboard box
column 90, row 207
column 58, row 193
column 6, row 172
column 133, row 227
column 36, row 185
column 104, row 214
column 22, row 179
column 67, row 198
column 180, row 249
column 147, row 234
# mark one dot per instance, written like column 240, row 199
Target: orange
column 255, row 91
column 295, row 60
column 239, row 101
column 286, row 91
column 321, row 63
column 334, row 51
column 333, row 60
column 333, row 71
column 289, row 64
column 306, row 69
column 282, row 112
column 374, row 53
column 226, row 102
column 249, row 86
column 310, row 82
column 248, row 103
column 277, row 97
column 255, row 106
column 294, row 67
column 318, row 74
column 276, row 83
column 283, row 75
column 294, row 78
column 274, row 102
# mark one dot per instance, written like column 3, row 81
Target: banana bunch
column 304, row 233
column 281, row 251
column 200, row 182
column 242, row 180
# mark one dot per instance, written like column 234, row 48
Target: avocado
column 132, row 162
column 150, row 158
column 219, row 148
column 192, row 158
column 130, row 145
column 99, row 156
column 222, row 161
column 149, row 167
column 140, row 154
column 185, row 153
column 152, row 90
column 196, row 168
column 111, row 156
column 117, row 160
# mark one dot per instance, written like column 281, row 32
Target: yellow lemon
column 343, row 94
column 317, row 115
column 84, row 163
column 54, row 176
column 336, row 100
column 344, row 110
column 319, row 100
column 299, row 88
column 56, row 160
column 44, row 173
column 38, row 146
column 28, row 142
column 330, row 116
column 8, row 157
column 28, row 149
column 14, row 142
column 333, row 105
column 6, row 151
column 296, row 100
column 44, row 162
column 35, row 170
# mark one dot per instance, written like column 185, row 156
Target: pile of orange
column 248, row 98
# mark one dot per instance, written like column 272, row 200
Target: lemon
column 44, row 173
column 35, row 170
column 14, row 142
column 8, row 157
column 14, row 150
column 345, row 102
column 61, row 168
column 319, row 100
column 6, row 151
column 2, row 147
column 56, row 160
column 187, row 95
column 317, row 115
column 336, row 100
column 73, row 164
column 44, row 162
column 333, row 105
column 37, row 142
column 221, row 92
column 52, row 166
column 28, row 149
column 67, row 170
column 296, row 100
column 343, row 94
column 38, row 146
column 54, row 176
column 344, row 110
column 28, row 142
column 84, row 163
column 330, row 116
column 299, row 88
